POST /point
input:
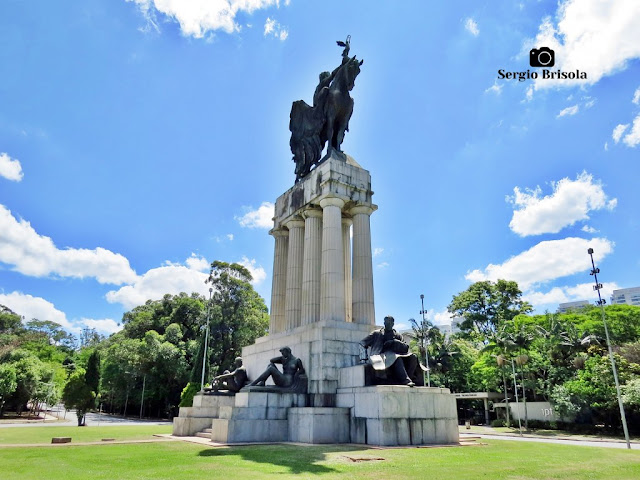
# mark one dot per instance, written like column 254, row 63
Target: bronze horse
column 338, row 105
column 327, row 120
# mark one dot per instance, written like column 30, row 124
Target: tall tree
column 78, row 395
column 93, row 371
column 485, row 305
column 238, row 313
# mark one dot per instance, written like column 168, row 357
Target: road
column 564, row 441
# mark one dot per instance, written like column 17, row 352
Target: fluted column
column 332, row 273
column 279, row 283
column 363, row 307
column 311, row 265
column 293, row 301
column 346, row 249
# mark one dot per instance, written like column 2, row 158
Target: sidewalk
column 553, row 436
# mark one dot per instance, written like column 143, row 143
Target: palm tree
column 522, row 339
column 502, row 344
column 426, row 334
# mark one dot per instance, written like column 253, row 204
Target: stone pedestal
column 323, row 347
column 192, row 420
column 256, row 417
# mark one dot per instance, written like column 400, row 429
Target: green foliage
column 238, row 314
column 186, row 397
column 92, row 376
column 10, row 322
column 77, row 394
column 160, row 342
column 485, row 305
column 485, row 373
column 631, row 394
column 566, row 404
column 8, row 383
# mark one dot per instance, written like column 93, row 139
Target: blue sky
column 142, row 139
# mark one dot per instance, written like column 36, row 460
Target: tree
column 10, row 322
column 238, row 313
column 55, row 334
column 485, row 305
column 8, row 383
column 77, row 395
column 93, row 371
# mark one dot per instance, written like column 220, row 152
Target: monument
column 322, row 311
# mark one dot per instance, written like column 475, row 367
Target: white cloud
column 583, row 291
column 633, row 137
column 199, row 17
column 546, row 261
column 10, row 168
column 471, row 26
column 199, row 264
column 262, row 217
column 495, row 88
column 383, row 265
column 594, row 36
column 272, row 27
column 257, row 272
column 636, row 97
column 174, row 278
column 571, row 201
column 439, row 318
column 569, row 111
column 30, row 307
column 157, row 282
column 230, row 237
column 618, row 132
column 588, row 229
column 377, row 251
column 104, row 325
column 36, row 255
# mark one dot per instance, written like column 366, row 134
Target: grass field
column 179, row 460
column 30, row 435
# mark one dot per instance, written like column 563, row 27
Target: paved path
column 93, row 419
column 563, row 441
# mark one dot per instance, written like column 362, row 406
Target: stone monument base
column 192, row 420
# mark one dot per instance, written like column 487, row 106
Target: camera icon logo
column 542, row 57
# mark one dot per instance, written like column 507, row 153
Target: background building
column 626, row 296
column 565, row 307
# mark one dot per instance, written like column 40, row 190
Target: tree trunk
column 506, row 398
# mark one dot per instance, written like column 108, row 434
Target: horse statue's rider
column 328, row 119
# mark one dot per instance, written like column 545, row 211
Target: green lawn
column 180, row 460
column 26, row 435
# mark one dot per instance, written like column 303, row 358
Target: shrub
column 186, row 397
column 499, row 422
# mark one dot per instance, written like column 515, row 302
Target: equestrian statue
column 328, row 119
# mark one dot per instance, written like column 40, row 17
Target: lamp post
column 515, row 387
column 601, row 303
column 423, row 312
column 144, row 384
column 206, row 342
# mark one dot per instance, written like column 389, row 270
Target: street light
column 423, row 312
column 601, row 303
column 206, row 342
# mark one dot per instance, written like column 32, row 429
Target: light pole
column 423, row 312
column 601, row 303
column 144, row 384
column 206, row 342
column 515, row 387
